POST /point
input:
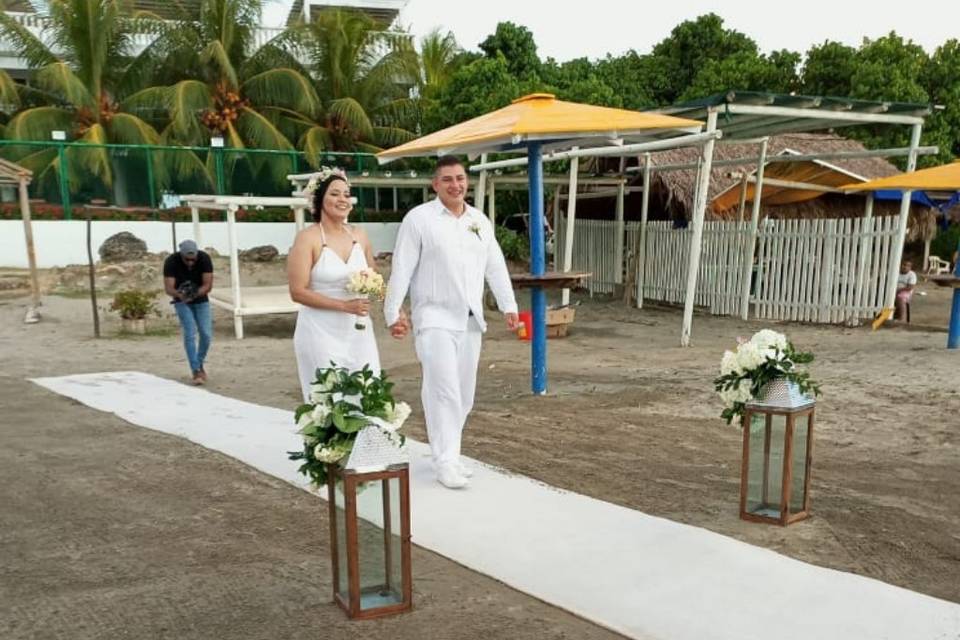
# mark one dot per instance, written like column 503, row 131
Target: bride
column 320, row 263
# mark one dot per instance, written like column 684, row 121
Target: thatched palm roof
column 675, row 189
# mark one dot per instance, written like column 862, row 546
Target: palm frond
column 38, row 122
column 37, row 160
column 125, row 128
column 363, row 147
column 350, row 114
column 314, row 142
column 187, row 102
column 90, row 161
column 283, row 88
column 59, row 79
column 182, row 165
column 391, row 136
column 151, row 104
column 9, row 95
column 257, row 131
column 216, row 55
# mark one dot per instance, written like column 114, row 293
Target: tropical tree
column 828, row 69
column 217, row 83
column 78, row 63
column 9, row 100
column 440, row 57
column 364, row 78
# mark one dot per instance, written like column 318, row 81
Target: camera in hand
column 188, row 290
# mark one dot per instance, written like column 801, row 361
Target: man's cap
column 188, row 248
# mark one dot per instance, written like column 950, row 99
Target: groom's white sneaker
column 464, row 470
column 450, row 477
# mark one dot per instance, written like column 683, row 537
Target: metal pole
column 538, row 297
column 64, row 184
column 953, row 334
column 897, row 255
column 619, row 229
column 234, row 270
column 865, row 247
column 571, row 220
column 151, row 188
column 644, row 210
column 93, row 280
column 218, row 165
column 32, row 314
column 481, row 191
column 751, row 238
column 699, row 207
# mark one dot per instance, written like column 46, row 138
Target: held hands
column 357, row 306
column 401, row 327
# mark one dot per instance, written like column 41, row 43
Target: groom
column 445, row 248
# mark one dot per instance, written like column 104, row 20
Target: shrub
column 134, row 304
column 514, row 246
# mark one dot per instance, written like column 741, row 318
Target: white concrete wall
column 59, row 243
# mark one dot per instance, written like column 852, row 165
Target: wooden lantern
column 777, row 455
column 370, row 534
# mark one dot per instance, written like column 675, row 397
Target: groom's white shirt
column 442, row 260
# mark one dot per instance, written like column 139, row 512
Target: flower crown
column 322, row 176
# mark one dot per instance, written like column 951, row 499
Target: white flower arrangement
column 321, row 176
column 475, row 229
column 341, row 404
column 766, row 356
column 365, row 282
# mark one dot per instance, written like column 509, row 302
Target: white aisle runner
column 643, row 576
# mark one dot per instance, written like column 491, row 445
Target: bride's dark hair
column 321, row 191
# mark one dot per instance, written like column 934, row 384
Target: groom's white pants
column 448, row 360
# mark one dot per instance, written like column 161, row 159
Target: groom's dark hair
column 448, row 161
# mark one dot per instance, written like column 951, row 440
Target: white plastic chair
column 937, row 266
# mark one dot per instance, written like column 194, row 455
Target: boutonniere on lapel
column 475, row 229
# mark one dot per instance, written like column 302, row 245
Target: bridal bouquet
column 766, row 356
column 341, row 404
column 365, row 282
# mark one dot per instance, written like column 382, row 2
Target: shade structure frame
column 533, row 124
column 788, row 471
column 350, row 482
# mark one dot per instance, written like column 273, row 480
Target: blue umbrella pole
column 538, row 297
column 953, row 335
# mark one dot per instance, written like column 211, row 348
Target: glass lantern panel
column 343, row 570
column 765, row 469
column 378, row 503
column 800, row 434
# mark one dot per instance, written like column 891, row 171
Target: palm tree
column 363, row 77
column 78, row 65
column 9, row 100
column 439, row 55
column 231, row 89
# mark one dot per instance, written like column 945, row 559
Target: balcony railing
column 36, row 24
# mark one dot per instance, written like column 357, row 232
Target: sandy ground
column 110, row 531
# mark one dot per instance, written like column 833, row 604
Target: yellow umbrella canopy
column 943, row 178
column 541, row 118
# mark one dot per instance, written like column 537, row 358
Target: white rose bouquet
column 365, row 282
column 341, row 404
column 764, row 357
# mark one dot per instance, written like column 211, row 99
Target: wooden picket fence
column 804, row 270
column 810, row 270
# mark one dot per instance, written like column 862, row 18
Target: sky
column 567, row 29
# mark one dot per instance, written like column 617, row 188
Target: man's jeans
column 194, row 319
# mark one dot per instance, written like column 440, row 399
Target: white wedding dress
column 324, row 335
